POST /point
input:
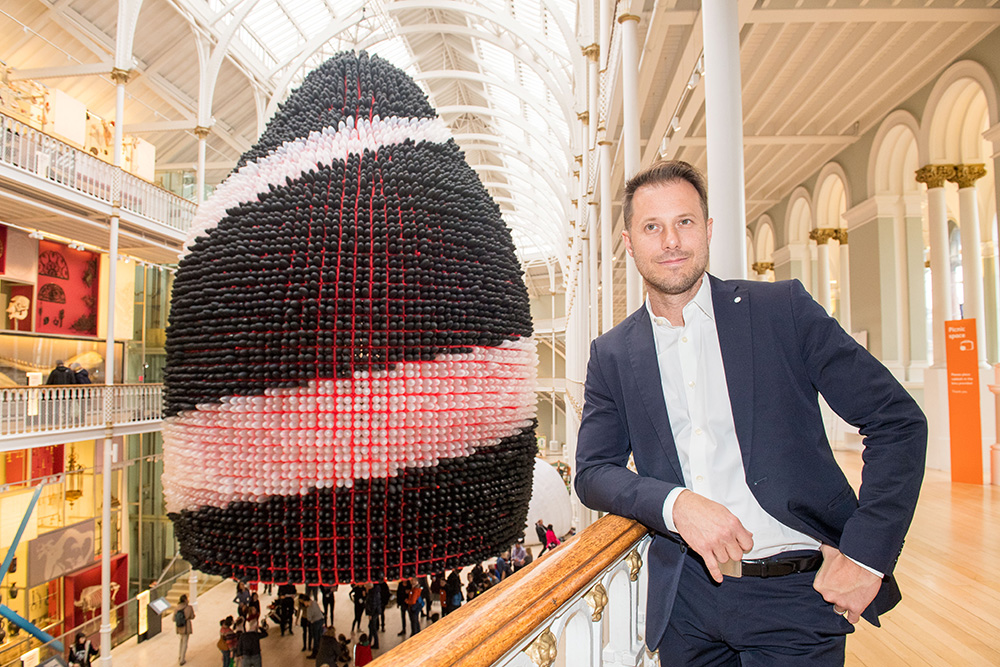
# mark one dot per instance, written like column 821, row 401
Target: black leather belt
column 780, row 565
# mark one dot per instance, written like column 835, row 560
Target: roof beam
column 88, row 69
column 876, row 14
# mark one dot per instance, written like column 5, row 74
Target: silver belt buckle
column 732, row 568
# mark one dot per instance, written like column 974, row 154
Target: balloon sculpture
column 350, row 381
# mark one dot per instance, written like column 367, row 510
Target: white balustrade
column 580, row 605
column 45, row 409
column 599, row 627
column 33, row 151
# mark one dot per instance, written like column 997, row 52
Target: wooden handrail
column 484, row 630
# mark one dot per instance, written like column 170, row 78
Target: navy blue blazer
column 779, row 348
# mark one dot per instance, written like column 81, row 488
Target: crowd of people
column 312, row 610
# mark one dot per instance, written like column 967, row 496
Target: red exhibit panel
column 68, row 287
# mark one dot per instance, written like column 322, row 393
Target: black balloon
column 350, row 368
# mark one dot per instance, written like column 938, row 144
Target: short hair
column 661, row 173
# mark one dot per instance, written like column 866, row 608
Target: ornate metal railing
column 582, row 605
column 55, row 408
column 31, row 150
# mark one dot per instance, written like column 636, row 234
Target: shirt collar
column 702, row 300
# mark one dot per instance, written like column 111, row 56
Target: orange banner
column 963, row 401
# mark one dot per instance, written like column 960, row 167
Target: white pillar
column 202, row 134
column 845, row 281
column 966, row 176
column 593, row 326
column 934, row 177
column 604, row 17
column 607, row 263
column 630, row 136
column 822, row 237
column 724, row 128
column 120, row 77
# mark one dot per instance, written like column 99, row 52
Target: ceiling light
column 36, row 235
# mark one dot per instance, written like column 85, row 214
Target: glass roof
column 289, row 38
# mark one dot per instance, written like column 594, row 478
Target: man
column 61, row 375
column 183, row 615
column 712, row 387
column 540, row 530
column 402, row 595
column 375, row 609
column 518, row 555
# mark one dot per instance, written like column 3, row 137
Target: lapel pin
column 737, row 299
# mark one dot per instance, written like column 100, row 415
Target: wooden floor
column 949, row 573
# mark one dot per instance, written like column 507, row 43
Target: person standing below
column 712, row 387
column 413, row 604
column 80, row 374
column 542, row 538
column 225, row 634
column 402, row 595
column 374, row 609
column 453, row 591
column 357, row 596
column 82, row 652
column 518, row 555
column 248, row 646
column 61, row 375
column 183, row 617
column 551, row 540
column 329, row 601
column 286, row 607
column 315, row 618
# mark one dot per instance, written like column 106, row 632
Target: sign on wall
column 60, row 552
column 965, row 428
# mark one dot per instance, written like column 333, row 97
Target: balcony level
column 49, row 185
column 51, row 415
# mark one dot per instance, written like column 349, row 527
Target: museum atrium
column 851, row 144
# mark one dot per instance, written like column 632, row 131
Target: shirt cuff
column 870, row 569
column 668, row 508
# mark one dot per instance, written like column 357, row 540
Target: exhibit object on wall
column 68, row 287
column 350, row 380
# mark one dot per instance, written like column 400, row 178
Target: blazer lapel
column 731, row 303
column 646, row 372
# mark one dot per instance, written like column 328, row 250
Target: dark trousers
column 373, row 630
column 752, row 622
column 414, row 620
column 315, row 633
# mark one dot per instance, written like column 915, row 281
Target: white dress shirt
column 701, row 419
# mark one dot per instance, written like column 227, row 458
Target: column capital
column 119, row 75
column 966, row 175
column 840, row 236
column 583, row 116
column 762, row 267
column 629, row 17
column 822, row 235
column 603, row 142
column 201, row 131
column 934, row 175
column 592, row 52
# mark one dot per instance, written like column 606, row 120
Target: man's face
column 669, row 237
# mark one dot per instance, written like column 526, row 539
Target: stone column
column 762, row 269
column 934, row 177
column 916, row 354
column 966, row 175
column 202, row 134
column 630, row 136
column 724, row 128
column 607, row 255
column 821, row 237
column 845, row 280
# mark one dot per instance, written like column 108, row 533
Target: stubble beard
column 680, row 285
